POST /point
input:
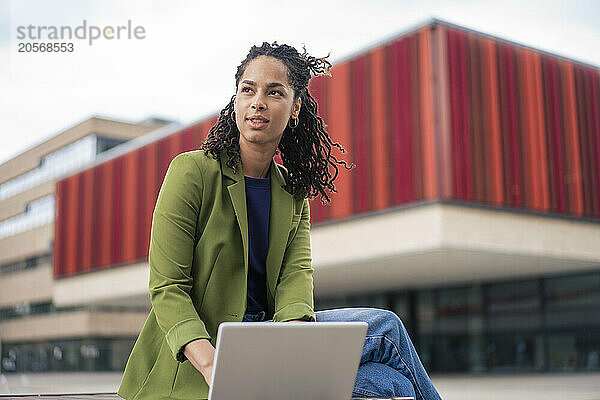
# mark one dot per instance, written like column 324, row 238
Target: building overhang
column 423, row 245
column 122, row 286
column 72, row 324
column 443, row 244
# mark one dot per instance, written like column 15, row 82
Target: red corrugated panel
column 338, row 113
column 58, row 252
column 206, row 127
column 429, row 154
column 360, row 98
column 490, row 97
column 401, row 130
column 163, row 160
column 200, row 131
column 391, row 104
column 556, row 162
column 175, row 144
column 416, row 130
column 97, row 217
column 588, row 106
column 108, row 193
column 141, row 210
column 318, row 89
column 81, row 208
column 536, row 170
column 584, row 141
column 443, row 116
column 594, row 114
column 509, row 120
column 411, row 129
column 381, row 164
column 457, row 57
column 188, row 141
column 88, row 209
column 150, row 195
column 129, row 201
column 573, row 176
column 541, row 134
column 117, row 212
column 72, row 243
column 477, row 132
column 531, row 190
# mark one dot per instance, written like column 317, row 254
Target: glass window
column 401, row 306
column 37, row 213
column 459, row 309
column 376, row 300
column 53, row 165
column 30, row 262
column 572, row 300
column 120, row 350
column 84, row 354
column 513, row 305
column 565, row 293
column 426, row 317
column 325, row 303
column 105, row 144
column 450, row 353
column 576, row 349
column 511, row 351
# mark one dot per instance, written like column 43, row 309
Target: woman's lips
column 257, row 124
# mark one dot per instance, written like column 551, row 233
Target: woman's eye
column 247, row 89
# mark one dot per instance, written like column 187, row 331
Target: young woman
column 230, row 239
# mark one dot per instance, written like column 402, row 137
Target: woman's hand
column 201, row 354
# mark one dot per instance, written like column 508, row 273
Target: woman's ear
column 296, row 107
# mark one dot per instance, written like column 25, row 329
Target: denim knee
column 384, row 322
column 376, row 317
column 379, row 380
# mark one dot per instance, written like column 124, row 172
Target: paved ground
column 583, row 386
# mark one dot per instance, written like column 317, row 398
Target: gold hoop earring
column 232, row 115
column 293, row 119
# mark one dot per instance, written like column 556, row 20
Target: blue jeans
column 389, row 365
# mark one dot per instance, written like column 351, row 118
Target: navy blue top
column 258, row 204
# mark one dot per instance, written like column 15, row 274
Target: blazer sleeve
column 294, row 291
column 170, row 254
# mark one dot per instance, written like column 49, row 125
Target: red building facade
column 440, row 113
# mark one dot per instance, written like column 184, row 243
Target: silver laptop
column 291, row 360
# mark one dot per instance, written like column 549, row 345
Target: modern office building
column 473, row 213
column 36, row 334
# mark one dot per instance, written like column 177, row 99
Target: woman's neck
column 255, row 162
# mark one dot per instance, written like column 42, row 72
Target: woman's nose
column 258, row 103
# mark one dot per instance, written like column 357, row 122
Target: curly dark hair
column 306, row 149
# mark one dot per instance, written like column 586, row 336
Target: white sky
column 184, row 68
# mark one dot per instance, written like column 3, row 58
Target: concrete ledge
column 127, row 285
column 440, row 244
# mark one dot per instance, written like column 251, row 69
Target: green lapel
column 237, row 193
column 280, row 219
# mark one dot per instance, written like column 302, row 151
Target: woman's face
column 264, row 102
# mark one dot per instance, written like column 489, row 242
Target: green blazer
column 198, row 260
